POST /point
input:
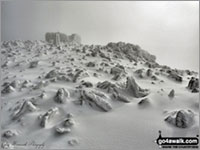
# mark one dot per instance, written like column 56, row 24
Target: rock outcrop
column 27, row 106
column 193, row 85
column 134, row 89
column 181, row 118
column 48, row 116
column 56, row 38
column 96, row 99
column 61, row 95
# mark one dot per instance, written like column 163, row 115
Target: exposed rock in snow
column 144, row 102
column 97, row 100
column 90, row 64
column 73, row 142
column 61, row 130
column 33, row 64
column 87, row 84
column 57, row 38
column 69, row 122
column 149, row 73
column 8, row 89
column 62, row 95
column 121, row 97
column 134, row 89
column 193, row 85
column 48, row 116
column 15, row 84
column 106, row 85
column 181, row 118
column 171, row 93
column 175, row 76
column 7, row 145
column 51, row 74
column 76, row 76
column 41, row 84
column 9, row 134
column 27, row 106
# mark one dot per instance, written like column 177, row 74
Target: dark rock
column 175, row 76
column 181, row 118
column 144, row 102
column 134, row 89
column 87, row 84
column 51, row 74
column 61, row 95
column 193, row 85
column 33, row 64
column 91, row 64
column 149, row 73
column 171, row 94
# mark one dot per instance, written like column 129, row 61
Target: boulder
column 144, row 102
column 171, row 93
column 61, row 130
column 27, row 106
column 8, row 89
column 120, row 97
column 181, row 118
column 134, row 89
column 47, row 116
column 61, row 95
column 33, row 64
column 52, row 74
column 100, row 102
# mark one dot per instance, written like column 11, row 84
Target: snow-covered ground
column 125, row 126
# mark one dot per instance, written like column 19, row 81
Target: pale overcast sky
column 169, row 30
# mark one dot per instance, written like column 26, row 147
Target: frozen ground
column 123, row 126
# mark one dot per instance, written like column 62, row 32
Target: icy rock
column 61, row 130
column 118, row 69
column 175, row 76
column 7, row 145
column 134, row 89
column 40, row 85
column 90, row 64
column 97, row 100
column 47, row 116
column 69, row 122
column 8, row 89
column 105, row 85
column 181, row 118
column 149, row 73
column 73, row 142
column 63, row 78
column 26, row 84
column 9, row 134
column 171, row 93
column 77, row 75
column 87, row 84
column 193, row 85
column 33, row 64
column 27, row 106
column 61, row 95
column 120, row 97
column 43, row 95
column 144, row 102
column 140, row 73
column 15, row 84
column 51, row 74
column 154, row 77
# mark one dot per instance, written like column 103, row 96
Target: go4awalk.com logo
column 177, row 142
